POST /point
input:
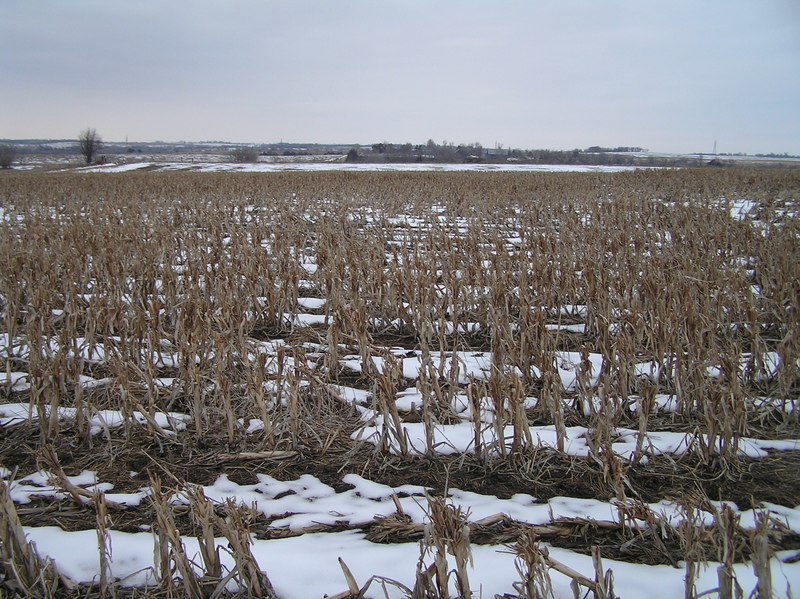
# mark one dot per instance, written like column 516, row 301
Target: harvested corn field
column 428, row 385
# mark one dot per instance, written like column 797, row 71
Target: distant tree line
column 597, row 149
column 89, row 144
column 428, row 152
column 476, row 153
column 784, row 155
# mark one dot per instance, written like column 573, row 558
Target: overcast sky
column 673, row 75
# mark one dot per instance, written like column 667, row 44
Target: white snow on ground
column 307, row 566
column 310, row 303
column 39, row 484
column 99, row 420
column 741, row 209
column 16, row 381
column 449, row 439
column 265, row 167
column 307, row 502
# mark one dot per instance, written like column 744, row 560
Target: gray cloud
column 668, row 76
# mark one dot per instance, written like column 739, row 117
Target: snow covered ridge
column 313, row 559
column 268, row 167
column 305, row 506
column 305, row 503
column 100, row 420
column 448, row 439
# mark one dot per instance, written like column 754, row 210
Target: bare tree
column 89, row 143
column 244, row 154
column 8, row 154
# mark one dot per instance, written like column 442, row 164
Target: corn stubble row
column 197, row 265
column 141, row 266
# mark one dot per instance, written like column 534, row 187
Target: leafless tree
column 244, row 154
column 90, row 143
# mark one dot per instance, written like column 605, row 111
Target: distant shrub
column 8, row 154
column 244, row 154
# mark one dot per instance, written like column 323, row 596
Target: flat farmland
column 400, row 384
